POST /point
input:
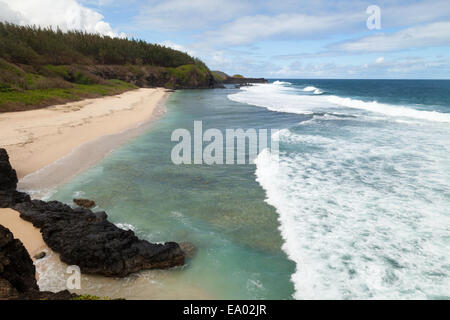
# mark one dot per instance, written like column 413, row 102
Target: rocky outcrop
column 85, row 238
column 97, row 246
column 243, row 81
column 144, row 76
column 17, row 272
column 7, row 173
column 16, row 266
column 8, row 183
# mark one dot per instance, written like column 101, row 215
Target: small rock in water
column 40, row 255
column 85, row 203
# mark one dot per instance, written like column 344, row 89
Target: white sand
column 25, row 231
column 35, row 139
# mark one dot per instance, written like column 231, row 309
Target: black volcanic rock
column 8, row 176
column 8, row 183
column 85, row 238
column 16, row 266
column 17, row 273
column 243, row 81
column 97, row 246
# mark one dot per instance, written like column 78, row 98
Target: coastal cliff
column 223, row 78
column 183, row 77
column 40, row 67
column 243, row 80
column 83, row 237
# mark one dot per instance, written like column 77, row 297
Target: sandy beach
column 49, row 146
column 36, row 139
column 25, row 231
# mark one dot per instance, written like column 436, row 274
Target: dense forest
column 34, row 45
column 42, row 66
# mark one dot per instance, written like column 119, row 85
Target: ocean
column 356, row 207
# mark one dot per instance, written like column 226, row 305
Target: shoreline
column 39, row 183
column 25, row 231
column 76, row 136
column 121, row 118
column 51, row 272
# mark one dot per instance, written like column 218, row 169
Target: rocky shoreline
column 17, row 273
column 80, row 236
column 243, row 81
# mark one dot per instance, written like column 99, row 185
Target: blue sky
column 266, row 38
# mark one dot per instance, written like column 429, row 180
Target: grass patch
column 20, row 100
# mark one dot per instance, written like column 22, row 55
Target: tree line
column 42, row 46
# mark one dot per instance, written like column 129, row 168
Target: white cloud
column 379, row 60
column 65, row 14
column 431, row 35
column 250, row 29
column 182, row 15
column 7, row 14
column 407, row 67
column 241, row 22
column 403, row 14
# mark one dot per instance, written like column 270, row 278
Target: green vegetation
column 219, row 76
column 40, row 97
column 40, row 67
column 30, row 45
column 238, row 76
column 184, row 75
column 21, row 90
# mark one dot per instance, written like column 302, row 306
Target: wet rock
column 84, row 203
column 97, row 246
column 40, row 255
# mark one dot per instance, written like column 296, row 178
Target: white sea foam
column 282, row 83
column 284, row 99
column 363, row 212
column 362, row 220
column 390, row 110
column 52, row 273
column 125, row 226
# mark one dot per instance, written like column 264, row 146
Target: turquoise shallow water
column 220, row 209
column 356, row 208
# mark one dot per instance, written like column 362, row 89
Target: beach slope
column 35, row 139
